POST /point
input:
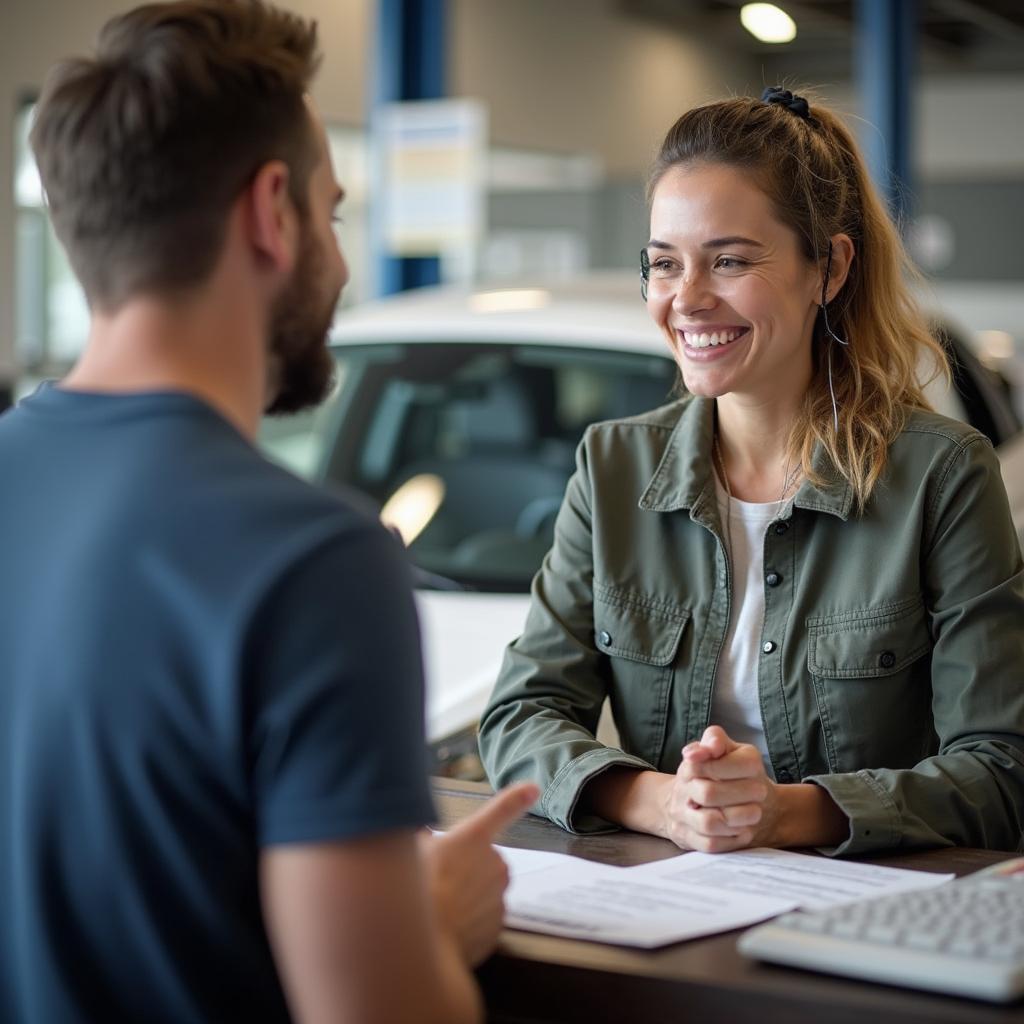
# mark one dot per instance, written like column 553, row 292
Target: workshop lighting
column 994, row 346
column 768, row 23
column 413, row 505
column 509, row 300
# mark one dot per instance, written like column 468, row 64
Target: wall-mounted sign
column 433, row 161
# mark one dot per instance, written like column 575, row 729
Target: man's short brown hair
column 143, row 149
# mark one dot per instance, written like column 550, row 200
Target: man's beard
column 301, row 366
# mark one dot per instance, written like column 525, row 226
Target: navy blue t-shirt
column 201, row 656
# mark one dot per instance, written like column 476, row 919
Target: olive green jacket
column 891, row 670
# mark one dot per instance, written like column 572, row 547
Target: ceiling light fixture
column 768, row 23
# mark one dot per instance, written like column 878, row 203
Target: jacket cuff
column 874, row 817
column 563, row 792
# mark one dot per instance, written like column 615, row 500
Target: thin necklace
column 788, row 478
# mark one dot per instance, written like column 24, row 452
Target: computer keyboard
column 963, row 938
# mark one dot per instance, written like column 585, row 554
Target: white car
column 459, row 412
column 478, row 398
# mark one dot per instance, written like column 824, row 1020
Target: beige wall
column 36, row 33
column 575, row 75
column 963, row 128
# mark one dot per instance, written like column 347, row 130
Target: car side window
column 475, row 442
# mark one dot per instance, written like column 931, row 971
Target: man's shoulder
column 280, row 497
column 178, row 482
column 272, row 519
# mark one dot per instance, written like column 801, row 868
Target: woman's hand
column 721, row 798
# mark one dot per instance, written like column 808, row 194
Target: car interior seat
column 499, row 494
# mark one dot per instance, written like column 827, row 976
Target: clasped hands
column 720, row 798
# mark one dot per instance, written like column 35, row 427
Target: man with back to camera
column 211, row 709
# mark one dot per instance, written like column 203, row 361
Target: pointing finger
column 500, row 811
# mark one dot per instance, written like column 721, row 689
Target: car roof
column 601, row 310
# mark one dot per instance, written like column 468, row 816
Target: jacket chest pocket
column 871, row 685
column 641, row 639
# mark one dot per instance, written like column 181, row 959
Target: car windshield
column 467, row 446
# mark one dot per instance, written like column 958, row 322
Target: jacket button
column 604, row 638
column 784, row 776
column 781, row 528
column 768, row 646
column 773, row 579
column 887, row 659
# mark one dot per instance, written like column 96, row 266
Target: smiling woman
column 798, row 586
column 737, row 309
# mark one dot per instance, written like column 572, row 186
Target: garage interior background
column 578, row 95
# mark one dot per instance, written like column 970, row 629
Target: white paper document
column 520, row 861
column 585, row 900
column 811, row 883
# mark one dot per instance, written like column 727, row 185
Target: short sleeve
column 335, row 740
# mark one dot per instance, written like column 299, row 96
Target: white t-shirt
column 734, row 701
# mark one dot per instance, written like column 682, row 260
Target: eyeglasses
column 663, row 278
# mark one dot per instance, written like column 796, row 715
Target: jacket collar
column 684, row 480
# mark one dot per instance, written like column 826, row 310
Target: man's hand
column 721, row 798
column 466, row 875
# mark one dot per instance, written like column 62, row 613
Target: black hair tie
column 795, row 104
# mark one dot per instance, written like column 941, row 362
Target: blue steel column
column 887, row 44
column 408, row 64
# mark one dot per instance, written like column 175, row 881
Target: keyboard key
column 916, row 939
column 845, row 928
column 886, row 933
column 808, row 923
